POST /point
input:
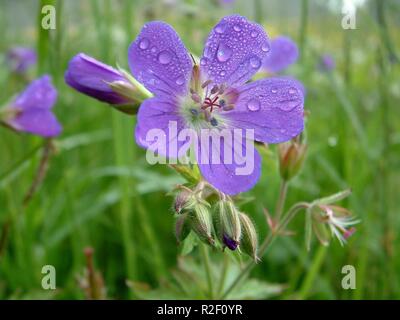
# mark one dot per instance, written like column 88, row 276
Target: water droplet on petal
column 265, row 47
column 274, row 90
column 237, row 28
column 220, row 28
column 255, row 62
column 153, row 49
column 164, row 57
column 144, row 43
column 203, row 61
column 222, row 73
column 180, row 81
column 254, row 34
column 292, row 90
column 223, row 53
column 253, row 104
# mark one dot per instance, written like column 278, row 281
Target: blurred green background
column 101, row 193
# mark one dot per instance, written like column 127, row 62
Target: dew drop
column 220, row 28
column 254, row 34
column 153, row 49
column 180, row 81
column 237, row 28
column 222, row 73
column 223, row 53
column 255, row 62
column 203, row 61
column 274, row 90
column 292, row 90
column 253, row 105
column 265, row 47
column 144, row 43
column 164, row 57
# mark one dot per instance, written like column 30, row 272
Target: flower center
column 202, row 108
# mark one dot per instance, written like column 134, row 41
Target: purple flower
column 20, row 59
column 214, row 95
column 327, row 63
column 230, row 243
column 98, row 80
column 31, row 110
column 283, row 53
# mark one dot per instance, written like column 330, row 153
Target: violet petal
column 89, row 76
column 40, row 93
column 158, row 114
column 226, row 175
column 159, row 60
column 234, row 51
column 37, row 121
column 284, row 52
column 272, row 107
column 230, row 243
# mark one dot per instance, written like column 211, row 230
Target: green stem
column 281, row 200
column 224, row 273
column 312, row 273
column 207, row 267
column 266, row 244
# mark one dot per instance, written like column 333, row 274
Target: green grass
column 100, row 191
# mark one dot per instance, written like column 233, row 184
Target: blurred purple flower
column 20, row 59
column 214, row 95
column 326, row 63
column 93, row 78
column 226, row 2
column 284, row 52
column 31, row 111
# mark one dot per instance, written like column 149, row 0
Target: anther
column 214, row 122
column 206, row 83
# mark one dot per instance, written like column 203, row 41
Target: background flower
column 31, row 110
column 20, row 59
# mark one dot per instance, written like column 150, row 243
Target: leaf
column 256, row 289
column 188, row 244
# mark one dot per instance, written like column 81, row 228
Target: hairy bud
column 249, row 241
column 229, row 228
column 201, row 222
column 184, row 199
column 291, row 158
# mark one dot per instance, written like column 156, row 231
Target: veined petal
column 91, row 77
column 158, row 127
column 284, row 52
column 159, row 60
column 234, row 51
column 232, row 165
column 272, row 107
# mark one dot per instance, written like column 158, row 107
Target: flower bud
column 228, row 224
column 291, row 157
column 182, row 227
column 183, row 200
column 201, row 222
column 249, row 241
